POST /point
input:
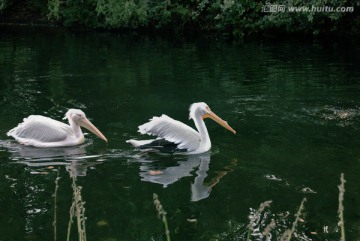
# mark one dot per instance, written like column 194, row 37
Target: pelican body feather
column 41, row 131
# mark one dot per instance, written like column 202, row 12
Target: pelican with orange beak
column 175, row 137
column 41, row 131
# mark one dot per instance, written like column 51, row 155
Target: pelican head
column 78, row 117
column 202, row 110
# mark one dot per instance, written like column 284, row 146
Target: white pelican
column 41, row 131
column 176, row 137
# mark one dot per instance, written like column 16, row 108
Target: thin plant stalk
column 288, row 233
column 161, row 215
column 55, row 196
column 248, row 235
column 267, row 230
column 72, row 213
column 341, row 206
column 77, row 209
column 256, row 216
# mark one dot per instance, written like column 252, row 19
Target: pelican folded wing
column 40, row 129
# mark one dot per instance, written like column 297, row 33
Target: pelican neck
column 76, row 128
column 204, row 135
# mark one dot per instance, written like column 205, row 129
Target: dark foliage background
column 239, row 18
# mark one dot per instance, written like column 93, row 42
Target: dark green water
column 295, row 107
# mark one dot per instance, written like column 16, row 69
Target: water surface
column 294, row 104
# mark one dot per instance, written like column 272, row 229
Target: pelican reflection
column 184, row 167
column 39, row 158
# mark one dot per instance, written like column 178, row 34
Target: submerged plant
column 77, row 209
column 341, row 206
column 161, row 215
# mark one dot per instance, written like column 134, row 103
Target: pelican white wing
column 172, row 130
column 40, row 129
column 175, row 137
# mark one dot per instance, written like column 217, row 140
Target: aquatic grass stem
column 341, row 206
column 288, row 233
column 161, row 215
column 55, row 196
column 255, row 217
column 266, row 233
column 77, row 209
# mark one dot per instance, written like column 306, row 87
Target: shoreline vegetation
column 237, row 19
